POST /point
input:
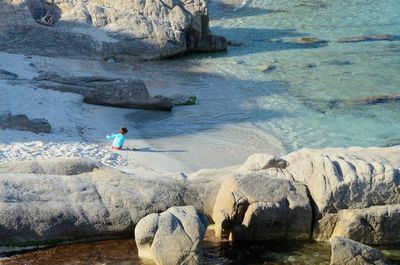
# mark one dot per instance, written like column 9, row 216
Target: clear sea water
column 268, row 93
column 299, row 92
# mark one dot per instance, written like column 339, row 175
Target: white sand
column 79, row 129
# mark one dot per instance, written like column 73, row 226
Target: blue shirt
column 118, row 139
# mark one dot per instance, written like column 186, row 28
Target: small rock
column 269, row 68
column 234, row 43
column 276, row 40
column 309, row 40
column 21, row 122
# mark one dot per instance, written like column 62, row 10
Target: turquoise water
column 268, row 93
column 311, row 79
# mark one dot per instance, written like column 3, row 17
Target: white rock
column 348, row 178
column 172, row 237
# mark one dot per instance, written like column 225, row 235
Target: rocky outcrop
column 129, row 93
column 21, row 122
column 107, row 29
column 266, row 198
column 347, row 178
column 52, row 166
column 262, row 206
column 100, row 203
column 172, row 237
column 374, row 225
column 346, row 251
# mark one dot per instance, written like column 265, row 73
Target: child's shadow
column 151, row 150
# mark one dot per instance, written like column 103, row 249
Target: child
column 118, row 138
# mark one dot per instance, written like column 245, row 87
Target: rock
column 346, row 251
column 183, row 100
column 376, row 100
column 52, row 166
column 372, row 37
column 374, row 225
column 262, row 206
column 129, row 93
column 172, row 237
column 21, row 122
column 4, row 74
column 234, row 43
column 347, row 178
column 262, row 161
column 309, row 40
column 104, row 29
column 125, row 99
column 269, row 68
column 41, row 209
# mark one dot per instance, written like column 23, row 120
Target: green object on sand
column 190, row 101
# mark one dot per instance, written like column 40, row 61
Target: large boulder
column 348, row 178
column 98, row 203
column 349, row 252
column 21, row 122
column 374, row 225
column 128, row 93
column 262, row 206
column 109, row 29
column 172, row 237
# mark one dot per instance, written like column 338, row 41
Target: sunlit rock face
column 110, row 29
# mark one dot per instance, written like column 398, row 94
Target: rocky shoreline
column 308, row 195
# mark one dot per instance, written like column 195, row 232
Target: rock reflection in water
column 121, row 252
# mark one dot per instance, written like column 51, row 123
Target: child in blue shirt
column 119, row 138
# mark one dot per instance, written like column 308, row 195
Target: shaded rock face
column 261, row 206
column 346, row 251
column 374, row 225
column 130, row 93
column 103, row 28
column 347, row 179
column 21, row 122
column 172, row 237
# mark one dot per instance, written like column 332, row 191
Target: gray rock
column 262, row 206
column 172, row 237
column 351, row 178
column 374, row 225
column 40, row 208
column 21, row 122
column 346, row 251
column 105, row 29
column 4, row 74
column 129, row 93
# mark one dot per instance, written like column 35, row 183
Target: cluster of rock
column 309, row 194
column 107, row 29
column 128, row 93
column 21, row 122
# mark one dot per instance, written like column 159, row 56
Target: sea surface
column 270, row 93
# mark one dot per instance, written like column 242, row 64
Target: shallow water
column 277, row 95
column 124, row 252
